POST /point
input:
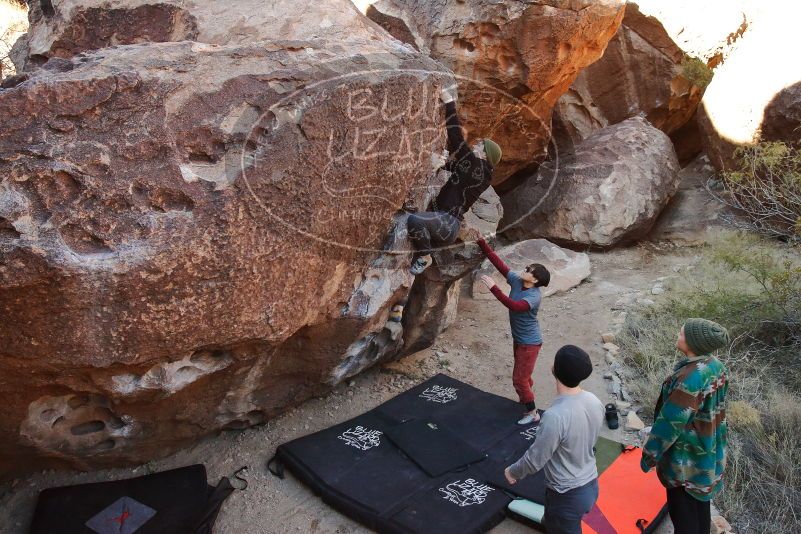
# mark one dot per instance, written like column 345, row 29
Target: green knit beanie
column 493, row 152
column 705, row 336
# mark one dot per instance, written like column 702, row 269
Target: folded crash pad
column 432, row 446
column 171, row 502
column 414, row 463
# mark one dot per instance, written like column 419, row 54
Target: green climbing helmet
column 493, row 152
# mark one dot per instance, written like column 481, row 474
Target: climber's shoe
column 530, row 418
column 396, row 313
column 421, row 264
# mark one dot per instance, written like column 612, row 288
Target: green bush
column 753, row 287
column 696, row 71
column 766, row 188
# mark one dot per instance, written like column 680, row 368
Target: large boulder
column 751, row 97
column 642, row 72
column 193, row 236
column 68, row 27
column 513, row 60
column 693, row 215
column 568, row 269
column 609, row 191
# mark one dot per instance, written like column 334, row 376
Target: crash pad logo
column 123, row 516
column 439, row 394
column 529, row 433
column 361, row 438
column 466, row 493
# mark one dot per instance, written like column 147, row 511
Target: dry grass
column 13, row 23
column 753, row 288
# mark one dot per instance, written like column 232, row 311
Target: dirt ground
column 476, row 350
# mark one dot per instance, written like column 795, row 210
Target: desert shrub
column 13, row 23
column 766, row 188
column 696, row 71
column 753, row 287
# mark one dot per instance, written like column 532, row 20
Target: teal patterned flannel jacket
column 687, row 443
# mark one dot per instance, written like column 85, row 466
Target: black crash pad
column 373, row 468
column 170, row 502
column 431, row 445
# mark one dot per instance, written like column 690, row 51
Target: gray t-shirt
column 525, row 326
column 564, row 445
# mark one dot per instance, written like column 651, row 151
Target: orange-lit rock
column 513, row 59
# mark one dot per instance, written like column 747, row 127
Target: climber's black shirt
column 470, row 175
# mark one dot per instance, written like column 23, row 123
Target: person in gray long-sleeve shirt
column 564, row 446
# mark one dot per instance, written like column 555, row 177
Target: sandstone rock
column 77, row 26
column 608, row 337
column 693, row 215
column 513, row 60
column 614, row 387
column 766, row 100
column 610, row 191
column 567, row 268
column 622, row 405
column 611, row 348
column 640, row 73
column 194, row 236
column 633, row 422
column 720, row 525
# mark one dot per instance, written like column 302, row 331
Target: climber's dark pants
column 429, row 229
column 689, row 515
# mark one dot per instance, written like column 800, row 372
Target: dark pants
column 429, row 228
column 563, row 511
column 689, row 515
column 525, row 359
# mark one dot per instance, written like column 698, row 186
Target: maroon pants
column 525, row 358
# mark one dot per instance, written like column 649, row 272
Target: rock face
column 71, row 27
column 640, row 73
column 434, row 297
column 749, row 94
column 567, row 268
column 513, row 60
column 194, row 236
column 609, row 191
column 693, row 215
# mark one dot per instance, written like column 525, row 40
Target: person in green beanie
column 471, row 174
column 687, row 443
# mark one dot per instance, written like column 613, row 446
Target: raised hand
column 448, row 94
column 487, row 281
column 438, row 160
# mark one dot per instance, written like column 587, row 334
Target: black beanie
column 571, row 365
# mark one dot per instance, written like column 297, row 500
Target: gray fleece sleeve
column 548, row 439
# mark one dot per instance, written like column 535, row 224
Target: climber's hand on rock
column 487, row 281
column 448, row 94
column 509, row 478
column 438, row 160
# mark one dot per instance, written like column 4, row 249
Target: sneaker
column 421, row 264
column 529, row 418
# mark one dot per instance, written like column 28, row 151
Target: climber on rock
column 471, row 173
column 523, row 303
